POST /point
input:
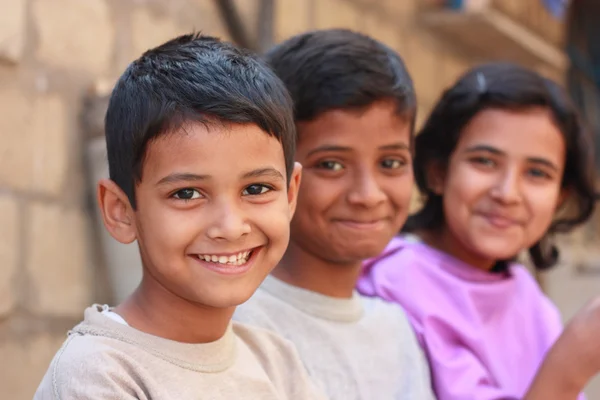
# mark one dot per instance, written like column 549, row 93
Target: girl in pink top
column 503, row 162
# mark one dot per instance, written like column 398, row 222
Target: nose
column 507, row 188
column 365, row 190
column 228, row 222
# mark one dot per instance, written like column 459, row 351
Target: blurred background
column 60, row 58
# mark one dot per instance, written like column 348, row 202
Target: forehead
column 528, row 133
column 214, row 149
column 373, row 126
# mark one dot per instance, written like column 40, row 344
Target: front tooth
column 213, row 258
column 223, row 259
column 232, row 259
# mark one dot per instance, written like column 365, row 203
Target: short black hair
column 509, row 87
column 191, row 78
column 341, row 69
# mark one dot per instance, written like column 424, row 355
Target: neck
column 308, row 271
column 445, row 241
column 155, row 310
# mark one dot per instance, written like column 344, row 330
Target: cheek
column 273, row 221
column 167, row 231
column 400, row 191
column 464, row 187
column 317, row 194
column 543, row 206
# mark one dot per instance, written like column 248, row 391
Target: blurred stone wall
column 58, row 55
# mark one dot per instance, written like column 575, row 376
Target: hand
column 573, row 360
column 581, row 339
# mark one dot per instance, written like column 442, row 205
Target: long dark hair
column 582, row 46
column 511, row 87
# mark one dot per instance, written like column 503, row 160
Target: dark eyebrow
column 264, row 172
column 482, row 147
column 325, row 148
column 328, row 147
column 181, row 177
column 395, row 146
column 493, row 150
column 543, row 161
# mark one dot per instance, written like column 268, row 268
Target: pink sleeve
column 457, row 374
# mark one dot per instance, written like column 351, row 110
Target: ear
column 294, row 187
column 117, row 213
column 563, row 195
column 436, row 178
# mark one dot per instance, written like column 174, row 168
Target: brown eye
column 483, row 161
column 393, row 163
column 254, row 190
column 331, row 165
column 538, row 173
column 186, row 194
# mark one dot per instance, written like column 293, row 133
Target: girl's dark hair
column 510, row 87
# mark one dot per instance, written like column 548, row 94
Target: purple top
column 485, row 334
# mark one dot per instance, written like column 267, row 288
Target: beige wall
column 51, row 53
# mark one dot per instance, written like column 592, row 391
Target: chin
column 221, row 299
column 360, row 253
column 498, row 251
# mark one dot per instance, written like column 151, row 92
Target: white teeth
column 238, row 259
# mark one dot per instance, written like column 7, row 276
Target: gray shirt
column 358, row 348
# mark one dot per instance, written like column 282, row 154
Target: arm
column 573, row 360
column 552, row 381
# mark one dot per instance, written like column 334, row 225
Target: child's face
column 213, row 211
column 356, row 184
column 503, row 184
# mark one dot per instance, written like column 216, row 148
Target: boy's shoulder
column 259, row 311
column 86, row 364
column 262, row 341
column 381, row 312
column 279, row 359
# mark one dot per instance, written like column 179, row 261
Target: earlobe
column 563, row 196
column 294, row 186
column 435, row 179
column 116, row 211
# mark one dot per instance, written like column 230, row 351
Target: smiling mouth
column 365, row 225
column 499, row 221
column 233, row 259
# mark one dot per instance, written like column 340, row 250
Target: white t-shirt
column 113, row 315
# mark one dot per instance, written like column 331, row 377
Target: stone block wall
column 51, row 53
